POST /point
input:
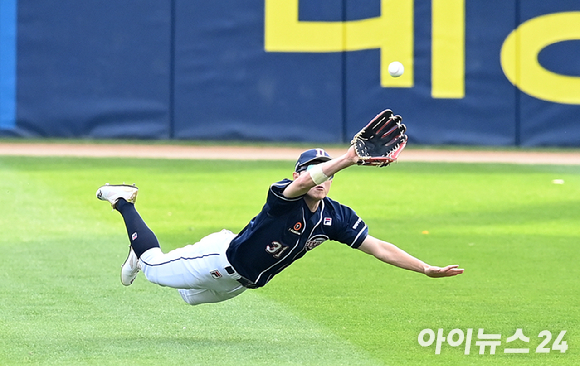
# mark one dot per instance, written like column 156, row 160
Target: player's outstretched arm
column 395, row 256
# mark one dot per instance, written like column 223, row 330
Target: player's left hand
column 436, row 272
column 381, row 141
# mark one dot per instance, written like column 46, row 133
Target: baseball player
column 297, row 217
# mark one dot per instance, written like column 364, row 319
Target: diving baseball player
column 297, row 217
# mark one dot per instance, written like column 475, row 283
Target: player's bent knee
column 195, row 296
column 189, row 297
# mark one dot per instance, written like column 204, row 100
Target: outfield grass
column 509, row 226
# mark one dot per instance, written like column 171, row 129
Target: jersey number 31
column 276, row 249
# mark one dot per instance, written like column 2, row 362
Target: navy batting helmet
column 310, row 157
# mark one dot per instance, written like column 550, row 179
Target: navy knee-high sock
column 140, row 236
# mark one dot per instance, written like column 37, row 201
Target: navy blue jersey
column 286, row 229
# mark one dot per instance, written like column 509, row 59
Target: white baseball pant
column 197, row 271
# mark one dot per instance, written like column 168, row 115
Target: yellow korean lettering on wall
column 391, row 32
column 448, row 49
column 519, row 57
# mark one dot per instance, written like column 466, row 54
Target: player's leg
column 198, row 266
column 201, row 272
column 205, row 296
column 140, row 236
column 122, row 198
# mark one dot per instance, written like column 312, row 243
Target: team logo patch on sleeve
column 327, row 221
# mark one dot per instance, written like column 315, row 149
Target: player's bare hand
column 351, row 155
column 436, row 272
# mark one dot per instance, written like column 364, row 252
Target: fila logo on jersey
column 315, row 241
column 215, row 274
column 296, row 229
column 327, row 221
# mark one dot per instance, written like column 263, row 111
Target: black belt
column 242, row 280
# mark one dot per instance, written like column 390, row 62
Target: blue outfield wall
column 494, row 72
column 94, row 68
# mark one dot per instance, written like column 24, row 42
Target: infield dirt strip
column 164, row 151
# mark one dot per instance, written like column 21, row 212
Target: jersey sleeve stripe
column 281, row 196
column 359, row 234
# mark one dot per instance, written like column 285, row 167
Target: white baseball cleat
column 130, row 268
column 112, row 193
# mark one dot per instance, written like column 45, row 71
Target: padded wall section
column 228, row 87
column 549, row 73
column 91, row 68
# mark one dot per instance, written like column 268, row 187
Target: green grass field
column 513, row 230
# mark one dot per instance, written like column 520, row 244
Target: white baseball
column 396, row 69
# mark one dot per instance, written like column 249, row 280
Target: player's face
column 320, row 191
